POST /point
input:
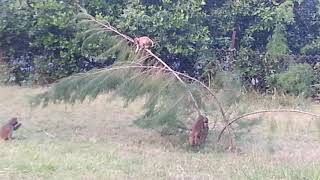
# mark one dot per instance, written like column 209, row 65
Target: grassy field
column 98, row 140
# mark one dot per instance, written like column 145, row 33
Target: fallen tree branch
column 265, row 111
column 108, row 27
column 163, row 69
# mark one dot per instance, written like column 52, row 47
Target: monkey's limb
column 9, row 136
column 17, row 126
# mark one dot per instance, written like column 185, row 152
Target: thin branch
column 176, row 75
column 111, row 28
column 190, row 78
column 48, row 134
column 108, row 27
column 209, row 90
column 265, row 111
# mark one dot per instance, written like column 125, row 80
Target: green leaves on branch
column 166, row 99
column 100, row 42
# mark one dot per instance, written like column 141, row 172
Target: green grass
column 98, row 140
column 56, row 159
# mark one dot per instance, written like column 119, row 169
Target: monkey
column 205, row 131
column 199, row 131
column 7, row 129
column 143, row 42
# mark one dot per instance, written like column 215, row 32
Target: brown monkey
column 205, row 131
column 199, row 131
column 143, row 42
column 7, row 129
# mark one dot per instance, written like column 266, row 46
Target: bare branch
column 265, row 111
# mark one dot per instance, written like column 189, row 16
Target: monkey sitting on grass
column 8, row 128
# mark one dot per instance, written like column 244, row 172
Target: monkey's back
column 6, row 131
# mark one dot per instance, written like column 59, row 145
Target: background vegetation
column 40, row 43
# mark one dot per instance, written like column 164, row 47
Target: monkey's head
column 13, row 121
column 203, row 118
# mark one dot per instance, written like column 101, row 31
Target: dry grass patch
column 97, row 140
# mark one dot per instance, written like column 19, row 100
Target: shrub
column 39, row 42
column 296, row 80
column 312, row 49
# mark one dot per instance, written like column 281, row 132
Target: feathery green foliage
column 171, row 98
column 167, row 100
column 100, row 41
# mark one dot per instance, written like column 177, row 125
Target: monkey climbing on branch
column 8, row 128
column 143, row 42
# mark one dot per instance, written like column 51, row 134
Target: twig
column 48, row 134
column 108, row 27
column 177, row 76
column 264, row 111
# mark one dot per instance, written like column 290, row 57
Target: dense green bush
column 38, row 41
column 41, row 44
column 312, row 49
column 296, row 80
column 178, row 28
column 284, row 72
